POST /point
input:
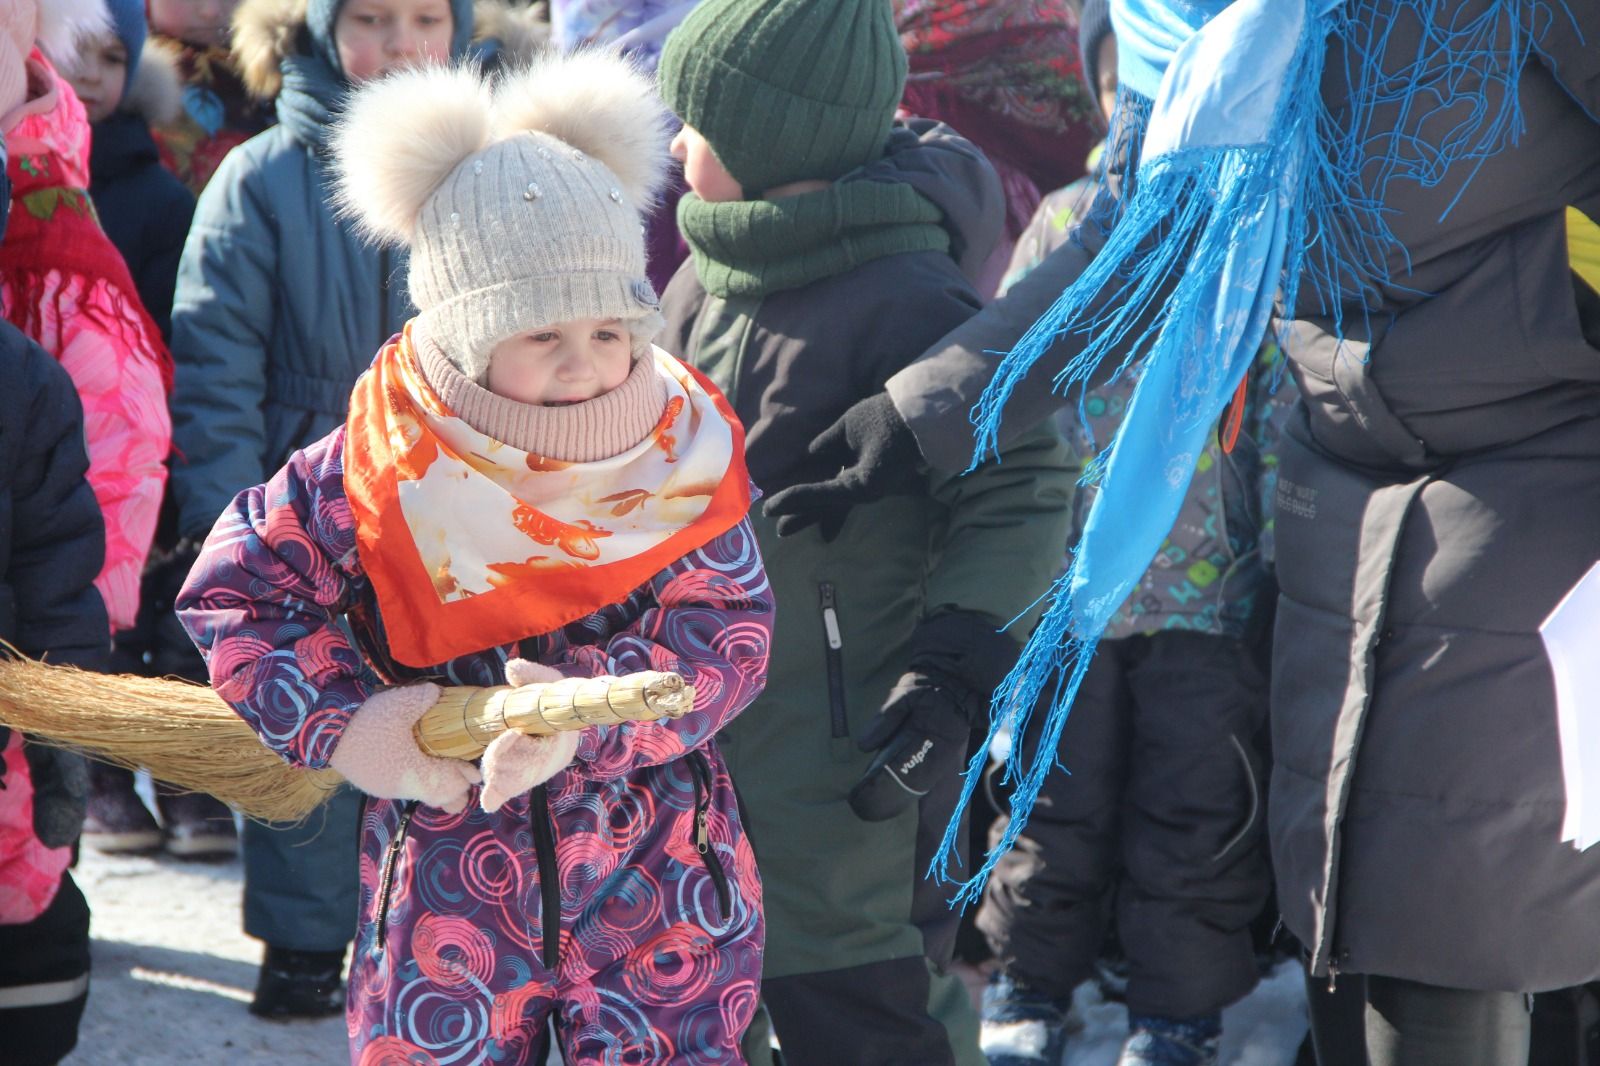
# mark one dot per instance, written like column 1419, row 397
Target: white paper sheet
column 1572, row 641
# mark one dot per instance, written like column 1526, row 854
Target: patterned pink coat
column 94, row 326
column 622, row 896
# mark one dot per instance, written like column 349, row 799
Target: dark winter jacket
column 1439, row 493
column 52, row 541
column 790, row 363
column 142, row 207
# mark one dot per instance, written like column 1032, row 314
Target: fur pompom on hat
column 55, row 26
column 521, row 201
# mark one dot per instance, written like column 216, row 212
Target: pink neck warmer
column 587, row 432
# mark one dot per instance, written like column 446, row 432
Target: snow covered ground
column 173, row 972
column 1264, row 1029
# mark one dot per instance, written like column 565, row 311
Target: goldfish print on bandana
column 473, row 542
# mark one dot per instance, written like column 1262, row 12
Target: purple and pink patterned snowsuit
column 637, row 847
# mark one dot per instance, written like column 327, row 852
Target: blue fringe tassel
column 1143, row 300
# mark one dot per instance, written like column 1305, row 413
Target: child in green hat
column 829, row 247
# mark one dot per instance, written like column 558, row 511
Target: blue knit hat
column 322, row 14
column 1094, row 26
column 127, row 22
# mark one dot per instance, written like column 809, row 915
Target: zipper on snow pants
column 834, row 650
column 391, row 859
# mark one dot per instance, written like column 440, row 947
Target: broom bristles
column 183, row 733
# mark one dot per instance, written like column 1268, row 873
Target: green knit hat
column 787, row 90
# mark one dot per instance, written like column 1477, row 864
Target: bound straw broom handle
column 465, row 720
column 186, row 735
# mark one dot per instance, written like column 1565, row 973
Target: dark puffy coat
column 850, row 610
column 142, row 207
column 52, row 541
column 279, row 306
column 278, row 311
column 1438, row 495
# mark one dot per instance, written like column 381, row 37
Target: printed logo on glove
column 921, row 739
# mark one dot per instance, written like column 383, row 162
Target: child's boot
column 197, row 826
column 1157, row 1041
column 1022, row 1026
column 118, row 822
column 299, row 984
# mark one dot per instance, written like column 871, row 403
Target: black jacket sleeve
column 935, row 394
column 57, row 535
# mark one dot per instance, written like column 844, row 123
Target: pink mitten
column 515, row 762
column 379, row 755
column 521, row 672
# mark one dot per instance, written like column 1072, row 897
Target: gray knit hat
column 522, row 206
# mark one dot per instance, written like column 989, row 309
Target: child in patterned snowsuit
column 1158, row 830
column 522, row 477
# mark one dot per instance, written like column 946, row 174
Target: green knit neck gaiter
column 757, row 247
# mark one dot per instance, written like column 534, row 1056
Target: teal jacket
column 279, row 308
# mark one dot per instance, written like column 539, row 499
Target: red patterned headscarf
column 1006, row 74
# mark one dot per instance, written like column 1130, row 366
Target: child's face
column 200, row 22
column 101, row 74
column 702, row 169
column 378, row 37
column 563, row 363
column 1106, row 75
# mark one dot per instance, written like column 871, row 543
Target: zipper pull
column 830, row 617
column 1333, row 979
column 702, row 831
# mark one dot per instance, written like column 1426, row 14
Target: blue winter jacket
column 278, row 310
column 279, row 307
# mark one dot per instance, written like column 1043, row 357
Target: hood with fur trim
column 266, row 32
column 506, row 36
column 156, row 92
column 54, row 27
column 60, row 25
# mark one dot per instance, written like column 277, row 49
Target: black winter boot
column 196, row 826
column 299, row 984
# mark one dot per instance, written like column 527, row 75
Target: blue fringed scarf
column 1244, row 186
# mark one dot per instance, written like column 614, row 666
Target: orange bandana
column 471, row 543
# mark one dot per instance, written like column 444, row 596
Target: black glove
column 876, row 455
column 921, row 739
column 922, row 733
column 157, row 645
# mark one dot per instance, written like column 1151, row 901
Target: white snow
column 1263, row 1029
column 173, row 972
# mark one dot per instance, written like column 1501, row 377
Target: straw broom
column 185, row 735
